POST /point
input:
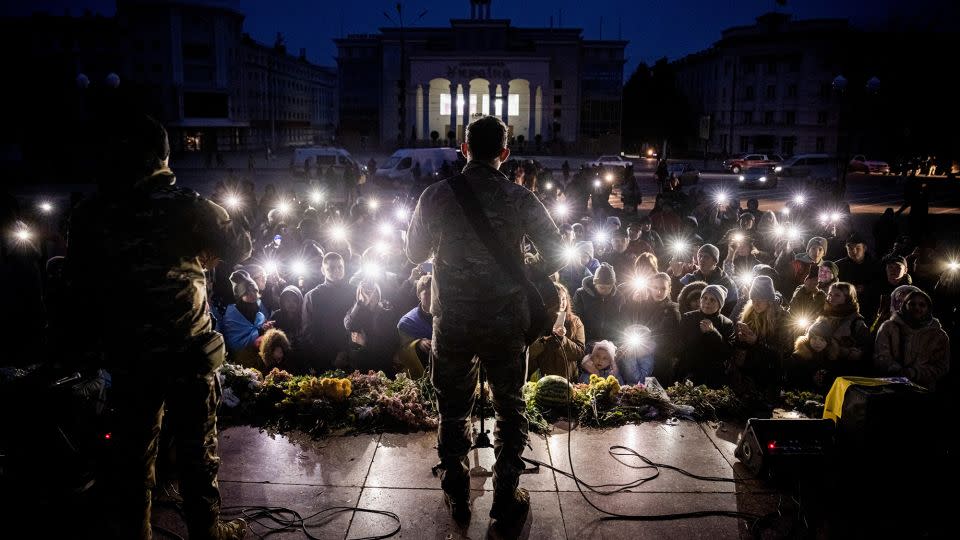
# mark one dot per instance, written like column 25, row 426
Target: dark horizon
column 654, row 30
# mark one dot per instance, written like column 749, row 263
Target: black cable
column 754, row 518
column 279, row 519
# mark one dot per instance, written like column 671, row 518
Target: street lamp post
column 402, row 82
column 840, row 84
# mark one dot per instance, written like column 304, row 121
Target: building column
column 505, row 90
column 539, row 112
column 531, row 114
column 426, row 112
column 491, row 99
column 453, row 110
column 466, row 108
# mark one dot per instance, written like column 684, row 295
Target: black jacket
column 704, row 355
column 600, row 314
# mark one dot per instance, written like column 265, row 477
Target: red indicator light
column 772, row 445
column 107, row 436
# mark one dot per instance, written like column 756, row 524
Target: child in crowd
column 601, row 362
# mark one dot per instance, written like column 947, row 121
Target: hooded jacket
column 920, row 354
column 290, row 323
column 849, row 331
column 600, row 314
column 806, row 303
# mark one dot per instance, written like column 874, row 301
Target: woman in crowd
column 912, row 343
column 558, row 353
column 846, row 329
column 761, row 338
column 705, row 337
column 655, row 312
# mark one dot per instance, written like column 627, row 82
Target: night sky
column 655, row 28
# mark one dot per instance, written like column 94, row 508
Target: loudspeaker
column 769, row 447
column 889, row 421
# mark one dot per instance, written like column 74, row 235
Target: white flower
column 229, row 398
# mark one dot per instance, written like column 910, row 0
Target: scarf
column 845, row 310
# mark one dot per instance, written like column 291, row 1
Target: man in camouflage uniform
column 480, row 312
column 137, row 253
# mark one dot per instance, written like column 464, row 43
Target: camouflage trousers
column 183, row 401
column 455, row 364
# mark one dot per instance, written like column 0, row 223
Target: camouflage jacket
column 138, row 256
column 466, row 278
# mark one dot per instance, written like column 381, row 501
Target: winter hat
column 917, row 292
column 292, row 290
column 607, row 346
column 584, row 246
column 855, row 238
column 613, row 222
column 711, row 250
column 254, row 269
column 765, row 270
column 896, row 260
column 899, row 296
column 242, row 284
column 817, row 240
column 762, row 289
column 820, row 327
column 718, row 291
column 688, row 292
column 832, row 266
column 605, row 275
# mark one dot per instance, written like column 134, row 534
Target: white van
column 326, row 156
column 397, row 170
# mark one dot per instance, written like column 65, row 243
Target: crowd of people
column 698, row 288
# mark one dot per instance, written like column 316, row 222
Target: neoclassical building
column 403, row 84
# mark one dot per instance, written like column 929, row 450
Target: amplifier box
column 769, row 447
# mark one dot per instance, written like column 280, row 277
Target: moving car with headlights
column 761, row 177
column 686, row 172
column 861, row 164
column 739, row 162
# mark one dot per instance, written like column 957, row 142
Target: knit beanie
column 242, row 284
column 821, row 327
column 762, row 289
column 607, row 346
column 717, row 291
column 711, row 250
column 605, row 275
column 899, row 296
column 833, row 268
column 817, row 241
column 896, row 260
column 613, row 223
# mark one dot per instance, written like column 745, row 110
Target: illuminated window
column 445, row 104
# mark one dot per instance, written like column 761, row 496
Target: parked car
column 738, row 162
column 861, row 164
column 686, row 172
column 808, row 166
column 757, row 177
column 610, row 161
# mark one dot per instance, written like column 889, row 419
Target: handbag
column 543, row 301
